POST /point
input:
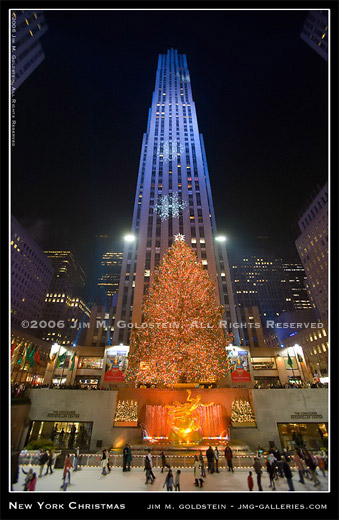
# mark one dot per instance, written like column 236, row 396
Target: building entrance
column 312, row 435
column 65, row 435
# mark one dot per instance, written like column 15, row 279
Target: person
column 76, row 458
column 67, row 472
column 216, row 456
column 149, row 456
column 196, row 470
column 129, row 458
column 148, row 470
column 277, row 455
column 50, row 461
column 202, row 465
column 53, row 433
column 299, row 466
column 321, row 465
column 124, row 457
column 257, row 469
column 250, row 481
column 32, row 483
column 104, row 462
column 229, row 457
column 271, row 473
column 288, row 473
column 42, row 460
column 164, row 462
column 177, row 481
column 260, row 451
column 28, row 478
column 210, row 460
column 169, row 481
column 313, row 468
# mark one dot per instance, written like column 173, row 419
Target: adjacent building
column 64, row 311
column 296, row 280
column 109, row 278
column 31, row 276
column 259, row 280
column 312, row 246
column 173, row 196
column 315, row 32
column 27, row 53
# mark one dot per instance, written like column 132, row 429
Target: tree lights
column 182, row 340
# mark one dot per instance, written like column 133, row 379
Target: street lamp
column 221, row 238
column 129, row 238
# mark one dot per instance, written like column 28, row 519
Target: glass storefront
column 91, row 363
column 88, row 382
column 312, row 435
column 266, row 382
column 64, row 434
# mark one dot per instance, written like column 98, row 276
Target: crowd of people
column 266, row 385
column 278, row 466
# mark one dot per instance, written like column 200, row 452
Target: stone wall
column 279, row 406
column 88, row 406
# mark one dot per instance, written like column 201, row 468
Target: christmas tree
column 181, row 338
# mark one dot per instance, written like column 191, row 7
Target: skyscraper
column 315, row 32
column 296, row 280
column 27, row 53
column 312, row 245
column 109, row 278
column 173, row 196
column 31, row 275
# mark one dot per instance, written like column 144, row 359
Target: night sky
column 261, row 99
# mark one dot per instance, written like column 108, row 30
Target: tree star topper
column 179, row 236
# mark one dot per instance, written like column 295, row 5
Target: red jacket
column 68, row 465
column 31, row 485
column 250, row 482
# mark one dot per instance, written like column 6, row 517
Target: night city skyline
column 262, row 98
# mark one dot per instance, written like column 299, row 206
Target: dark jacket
column 210, row 454
column 228, row 453
column 257, row 467
column 270, row 468
column 43, row 458
column 125, row 451
column 287, row 470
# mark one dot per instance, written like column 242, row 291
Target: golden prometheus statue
column 184, row 419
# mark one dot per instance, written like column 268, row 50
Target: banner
column 116, row 365
column 240, row 372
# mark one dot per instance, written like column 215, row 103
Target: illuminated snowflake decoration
column 179, row 236
column 169, row 149
column 183, row 77
column 169, row 205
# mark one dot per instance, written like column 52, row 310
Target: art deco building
column 315, row 32
column 312, row 245
column 173, row 195
column 31, row 275
column 27, row 53
column 109, row 278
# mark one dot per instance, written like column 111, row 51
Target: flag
column 300, row 359
column 289, row 360
column 13, row 348
column 21, row 361
column 31, row 357
column 72, row 364
column 37, row 357
column 61, row 359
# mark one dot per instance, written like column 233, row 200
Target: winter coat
column 257, row 467
column 250, row 482
column 270, row 468
column 228, row 453
column 31, row 484
column 147, row 463
column 298, row 462
column 210, row 454
column 43, row 458
column 216, row 454
column 68, row 466
column 196, row 467
column 168, row 481
column 129, row 455
column 177, row 479
column 287, row 470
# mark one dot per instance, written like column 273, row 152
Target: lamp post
column 59, row 349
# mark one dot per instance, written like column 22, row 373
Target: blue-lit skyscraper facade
column 173, row 196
